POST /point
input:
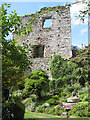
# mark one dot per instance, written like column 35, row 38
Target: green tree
column 60, row 67
column 56, row 65
column 36, row 82
column 63, row 72
column 69, row 72
column 14, row 57
column 81, row 60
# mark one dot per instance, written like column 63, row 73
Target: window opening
column 47, row 23
column 38, row 51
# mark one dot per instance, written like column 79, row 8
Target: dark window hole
column 38, row 51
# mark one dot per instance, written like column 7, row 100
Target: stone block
column 73, row 99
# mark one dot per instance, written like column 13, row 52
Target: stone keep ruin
column 49, row 40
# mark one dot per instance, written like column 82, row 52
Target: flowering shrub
column 59, row 111
column 17, row 93
column 66, row 106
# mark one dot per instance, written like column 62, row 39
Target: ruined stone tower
column 49, row 40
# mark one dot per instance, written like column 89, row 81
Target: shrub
column 20, row 93
column 69, row 95
column 56, row 97
column 57, row 66
column 53, row 100
column 33, row 107
column 27, row 102
column 23, row 94
column 77, row 87
column 84, row 97
column 80, row 109
column 40, row 109
column 70, row 88
column 33, row 97
column 17, row 93
column 47, row 110
column 62, row 72
column 83, row 91
column 36, row 82
column 55, row 85
column 86, row 84
column 45, row 105
column 60, row 67
column 51, row 110
column 63, row 94
column 59, row 111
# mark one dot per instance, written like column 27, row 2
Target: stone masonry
column 47, row 41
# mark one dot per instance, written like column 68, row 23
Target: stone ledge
column 73, row 99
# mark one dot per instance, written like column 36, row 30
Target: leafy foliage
column 40, row 109
column 15, row 60
column 63, row 72
column 8, row 22
column 53, row 100
column 57, row 66
column 69, row 72
column 80, row 109
column 60, row 67
column 14, row 57
column 36, row 82
column 82, row 60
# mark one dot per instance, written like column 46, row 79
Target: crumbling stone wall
column 55, row 39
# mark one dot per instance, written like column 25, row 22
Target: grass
column 29, row 114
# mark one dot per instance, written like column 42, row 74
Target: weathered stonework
column 56, row 39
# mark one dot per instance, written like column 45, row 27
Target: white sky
column 75, row 11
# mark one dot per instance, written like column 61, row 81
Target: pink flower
column 66, row 106
column 61, row 108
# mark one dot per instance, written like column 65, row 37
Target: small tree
column 14, row 57
column 57, row 66
column 60, row 67
column 36, row 82
column 62, row 72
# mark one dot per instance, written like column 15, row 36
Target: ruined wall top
column 46, row 13
column 61, row 9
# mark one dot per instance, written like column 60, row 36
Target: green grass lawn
column 29, row 114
